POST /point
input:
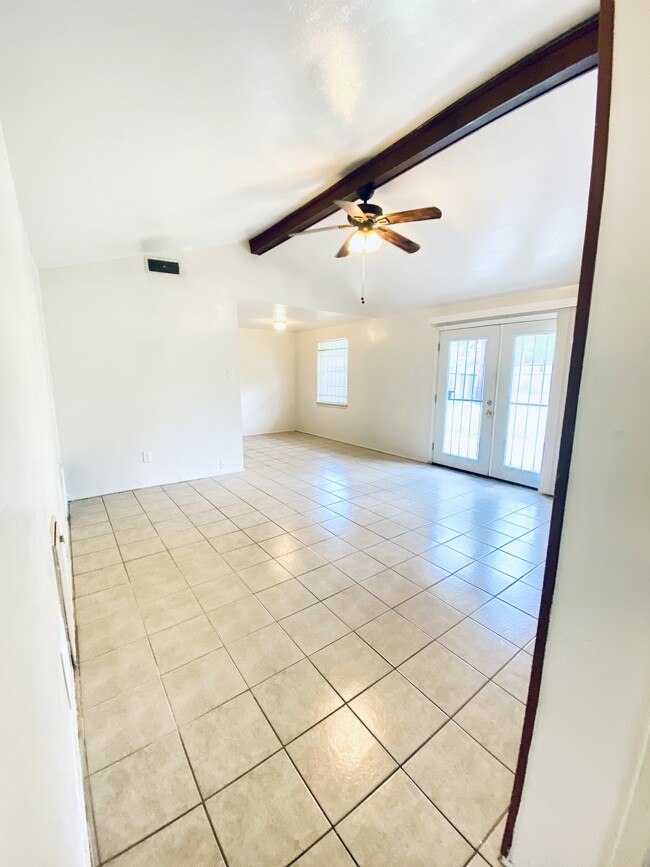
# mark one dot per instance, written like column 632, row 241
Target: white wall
column 144, row 363
column 267, row 373
column 579, row 801
column 392, row 369
column 632, row 842
column 40, row 793
column 390, row 385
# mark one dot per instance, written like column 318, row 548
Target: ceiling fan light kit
column 364, row 242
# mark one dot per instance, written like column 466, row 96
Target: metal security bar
column 530, row 388
column 465, row 382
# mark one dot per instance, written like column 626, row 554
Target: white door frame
column 486, row 465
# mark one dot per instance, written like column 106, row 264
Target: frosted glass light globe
column 365, row 241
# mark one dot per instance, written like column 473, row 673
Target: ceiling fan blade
column 311, row 231
column 345, row 249
column 397, row 239
column 351, row 209
column 413, row 216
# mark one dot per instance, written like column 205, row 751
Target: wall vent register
column 163, row 266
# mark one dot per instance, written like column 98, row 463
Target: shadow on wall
column 267, row 362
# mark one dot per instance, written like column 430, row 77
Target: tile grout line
column 399, row 765
column 329, row 644
column 99, row 854
column 253, row 541
column 176, row 728
column 320, row 601
column 281, row 749
column 203, row 800
column 173, row 715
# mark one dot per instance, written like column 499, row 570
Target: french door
column 492, row 399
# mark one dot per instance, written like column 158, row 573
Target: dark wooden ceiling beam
column 559, row 61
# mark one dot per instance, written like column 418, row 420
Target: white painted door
column 492, row 399
column 523, row 390
column 467, row 372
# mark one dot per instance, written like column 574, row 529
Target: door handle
column 489, row 413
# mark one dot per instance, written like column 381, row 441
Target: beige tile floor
column 322, row 660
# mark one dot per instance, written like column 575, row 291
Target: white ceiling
column 154, row 124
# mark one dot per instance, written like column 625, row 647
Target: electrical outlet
column 231, row 373
column 222, row 465
column 146, row 457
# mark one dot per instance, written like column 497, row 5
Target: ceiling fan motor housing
column 369, row 210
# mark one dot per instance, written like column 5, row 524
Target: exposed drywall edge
column 634, row 812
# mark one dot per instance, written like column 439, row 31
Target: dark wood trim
column 594, row 208
column 559, row 61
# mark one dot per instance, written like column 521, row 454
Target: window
column 333, row 372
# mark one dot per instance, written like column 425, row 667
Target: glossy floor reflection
column 322, row 660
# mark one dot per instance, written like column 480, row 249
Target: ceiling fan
column 371, row 225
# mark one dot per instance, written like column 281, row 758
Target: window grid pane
column 333, row 372
column 530, row 387
column 464, row 398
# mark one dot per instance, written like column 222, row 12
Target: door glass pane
column 464, row 397
column 530, row 386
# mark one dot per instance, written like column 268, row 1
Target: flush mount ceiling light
column 280, row 317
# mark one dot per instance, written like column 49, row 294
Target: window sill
column 336, row 405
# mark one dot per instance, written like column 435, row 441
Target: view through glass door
column 492, row 399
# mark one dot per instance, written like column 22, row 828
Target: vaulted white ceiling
column 157, row 124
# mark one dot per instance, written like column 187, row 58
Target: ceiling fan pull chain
column 363, row 277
